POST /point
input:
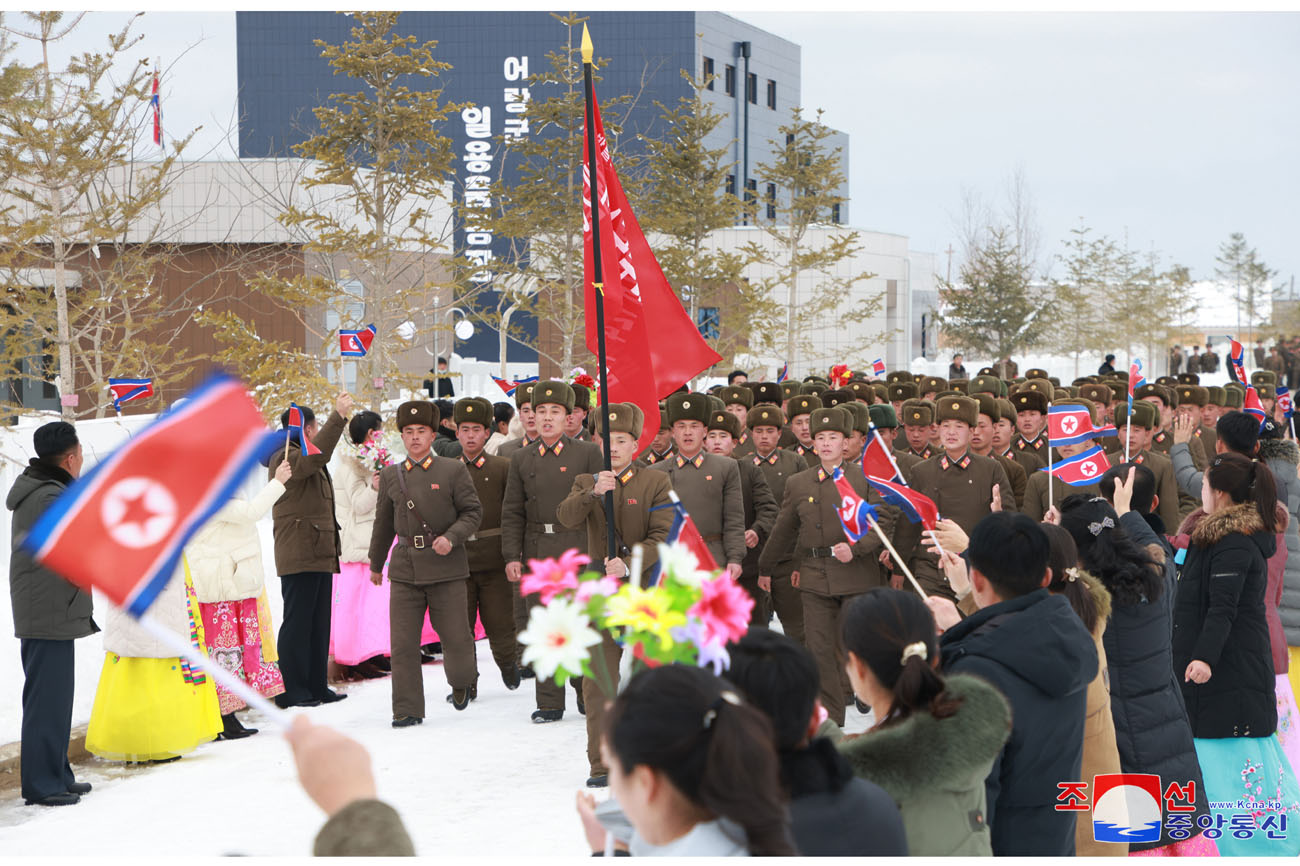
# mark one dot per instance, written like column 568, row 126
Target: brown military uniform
column 650, row 456
column 489, row 593
column 760, row 513
column 1209, row 438
column 439, row 500
column 924, row 454
column 510, row 446
column 1162, row 443
column 1030, row 461
column 1036, row 446
column 963, row 492
column 784, row 600
column 805, row 531
column 1166, row 484
column 638, row 492
column 1036, row 505
column 710, row 488
column 1016, row 475
column 744, row 445
column 540, row 478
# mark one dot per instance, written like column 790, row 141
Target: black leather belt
column 820, row 552
column 419, row 542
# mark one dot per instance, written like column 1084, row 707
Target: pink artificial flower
column 550, row 577
column 605, row 587
column 723, row 609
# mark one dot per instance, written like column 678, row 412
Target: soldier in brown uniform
column 575, row 423
column 524, row 403
column 1191, row 399
column 1215, row 399
column 541, row 475
column 738, row 400
column 1139, row 428
column 861, row 413
column 661, row 447
column 1037, row 501
column 490, row 595
column 829, row 571
column 1165, row 400
column 918, row 427
column 760, row 505
column 1004, row 434
column 640, row 517
column 708, row 485
column 981, row 443
column 799, row 413
column 1031, row 419
column 778, row 465
column 428, row 503
column 900, row 393
column 960, row 483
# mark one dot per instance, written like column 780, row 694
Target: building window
column 771, row 93
column 751, row 191
column 708, row 72
column 751, row 88
column 835, row 213
column 731, row 184
column 771, row 201
column 729, row 80
column 789, row 139
column 710, row 322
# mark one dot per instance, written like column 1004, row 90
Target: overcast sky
column 1177, row 127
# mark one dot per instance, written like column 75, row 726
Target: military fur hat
column 1118, row 390
column 814, row 387
column 664, row 423
column 804, row 404
column 626, row 418
column 715, row 403
column 767, row 392
column 765, row 415
column 788, row 389
column 1151, row 389
column 932, row 383
column 416, row 412
column 985, row 385
column 814, row 377
column 902, row 391
column 1100, row 394
column 987, row 404
column 1055, row 380
column 581, row 397
column 882, row 415
column 894, row 376
column 472, row 410
column 861, row 391
column 1073, row 390
column 836, row 397
column 958, row 408
column 1263, row 378
column 524, row 395
column 917, row 414
column 1029, row 401
column 1167, row 380
column 1192, row 395
column 986, row 371
column 961, row 386
column 1144, row 415
column 1039, row 385
column 1233, row 398
column 1188, row 379
column 835, row 418
column 688, row 407
column 1084, row 380
column 721, row 419
column 861, row 413
column 1215, row 396
column 737, row 394
column 552, row 391
column 881, row 390
column 1037, row 373
column 1058, row 393
column 1006, row 409
column 947, row 393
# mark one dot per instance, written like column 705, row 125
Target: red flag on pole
column 638, row 300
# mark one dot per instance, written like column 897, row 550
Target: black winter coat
column 1151, row 728
column 835, row 814
column 1036, row 651
column 1219, row 619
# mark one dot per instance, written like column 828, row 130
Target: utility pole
column 949, row 251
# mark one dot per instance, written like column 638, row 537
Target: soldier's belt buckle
column 419, row 542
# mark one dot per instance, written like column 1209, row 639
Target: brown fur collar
column 1213, row 528
column 1100, row 596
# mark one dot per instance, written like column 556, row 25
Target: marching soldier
column 800, row 412
column 829, row 570
column 778, row 465
column 709, row 486
column 490, row 595
column 1139, row 428
column 429, row 504
column 1031, row 419
column 961, row 484
column 930, row 387
column 1165, row 400
column 861, row 413
column 661, row 447
column 1215, row 399
column 1037, row 503
column 524, row 405
column 541, row 475
column 760, row 506
column 918, row 427
column 738, row 400
column 900, row 393
column 1004, row 433
column 640, row 517
column 767, row 392
column 981, row 443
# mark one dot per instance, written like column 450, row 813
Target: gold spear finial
column 587, row 48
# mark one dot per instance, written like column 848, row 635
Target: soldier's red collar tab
column 697, row 461
column 409, row 464
column 542, row 449
column 770, row 459
column 963, row 463
column 626, row 476
column 477, row 463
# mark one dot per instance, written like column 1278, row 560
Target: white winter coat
column 225, row 556
column 124, row 637
column 354, row 508
column 495, row 441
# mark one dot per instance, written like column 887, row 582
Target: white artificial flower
column 678, row 562
column 557, row 636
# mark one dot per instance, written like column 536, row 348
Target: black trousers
column 48, row 670
column 304, row 639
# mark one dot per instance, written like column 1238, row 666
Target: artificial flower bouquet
column 374, row 453
column 688, row 615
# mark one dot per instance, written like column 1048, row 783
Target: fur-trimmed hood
column 1279, row 449
column 923, row 753
column 1242, row 518
column 1100, row 597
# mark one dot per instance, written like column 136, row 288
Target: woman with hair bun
column 694, row 768
column 935, row 738
column 1221, row 651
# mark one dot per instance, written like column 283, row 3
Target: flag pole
column 894, row 554
column 889, row 452
column 1050, row 501
column 597, row 280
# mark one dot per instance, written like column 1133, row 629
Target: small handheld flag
column 155, row 105
column 356, row 343
column 684, row 531
column 126, row 390
column 510, row 387
column 856, row 514
column 1068, row 424
column 296, row 423
column 918, row 507
column 875, row 459
column 1252, row 405
column 1236, row 361
column 784, row 372
column 878, row 367
column 1085, row 468
column 1284, row 400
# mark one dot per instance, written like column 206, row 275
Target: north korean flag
column 355, row 344
column 856, row 514
column 876, row 460
column 1252, row 406
column 1070, row 425
column 510, row 387
column 1085, row 468
column 295, row 423
column 1284, row 400
column 878, row 367
column 784, row 372
column 126, row 390
column 918, row 507
column 684, row 531
column 1236, row 362
column 120, row 528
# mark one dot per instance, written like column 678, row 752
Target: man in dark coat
column 49, row 614
column 832, row 812
column 1033, row 647
column 307, row 558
